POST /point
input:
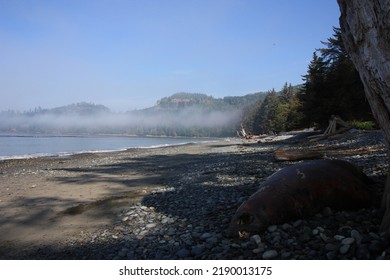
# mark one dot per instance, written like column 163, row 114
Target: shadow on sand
column 189, row 177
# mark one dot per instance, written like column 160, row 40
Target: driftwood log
column 293, row 155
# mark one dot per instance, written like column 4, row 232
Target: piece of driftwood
column 323, row 137
column 244, row 135
column 318, row 153
column 332, row 130
column 294, row 155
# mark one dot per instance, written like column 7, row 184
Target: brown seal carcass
column 302, row 190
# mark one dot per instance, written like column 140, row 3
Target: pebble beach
column 176, row 203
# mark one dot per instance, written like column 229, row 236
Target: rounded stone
column 205, row 236
column 183, row 253
column 324, row 237
column 286, row 226
column 270, row 254
column 339, row 237
column 151, row 225
column 356, row 235
column 272, row 228
column 212, row 240
column 256, row 239
column 196, row 250
column 344, row 249
column 124, row 219
column 348, row 241
column 257, row 250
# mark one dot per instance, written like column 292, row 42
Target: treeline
column 183, row 100
column 278, row 112
column 331, row 86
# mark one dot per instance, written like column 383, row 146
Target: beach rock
column 256, row 239
column 258, row 250
column 286, row 226
column 196, row 250
column 348, row 241
column 270, row 254
column 183, row 253
column 151, row 225
column 344, row 249
column 339, row 237
column 206, row 235
column 356, row 235
column 272, row 228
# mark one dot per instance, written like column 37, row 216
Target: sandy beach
column 46, row 201
column 187, row 192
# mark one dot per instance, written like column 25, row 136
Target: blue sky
column 127, row 54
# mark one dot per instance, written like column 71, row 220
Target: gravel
column 187, row 218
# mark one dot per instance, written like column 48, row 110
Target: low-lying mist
column 184, row 122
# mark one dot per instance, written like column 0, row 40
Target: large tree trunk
column 365, row 26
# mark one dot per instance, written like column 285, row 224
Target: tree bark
column 365, row 27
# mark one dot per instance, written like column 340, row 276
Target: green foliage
column 183, row 100
column 278, row 112
column 332, row 86
column 364, row 125
column 82, row 108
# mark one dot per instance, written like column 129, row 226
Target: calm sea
column 36, row 146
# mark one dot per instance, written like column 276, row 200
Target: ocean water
column 37, row 146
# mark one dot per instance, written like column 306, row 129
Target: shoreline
column 62, row 154
column 164, row 203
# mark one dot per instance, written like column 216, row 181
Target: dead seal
column 302, row 190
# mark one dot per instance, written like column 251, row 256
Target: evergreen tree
column 287, row 93
column 266, row 118
column 332, row 86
